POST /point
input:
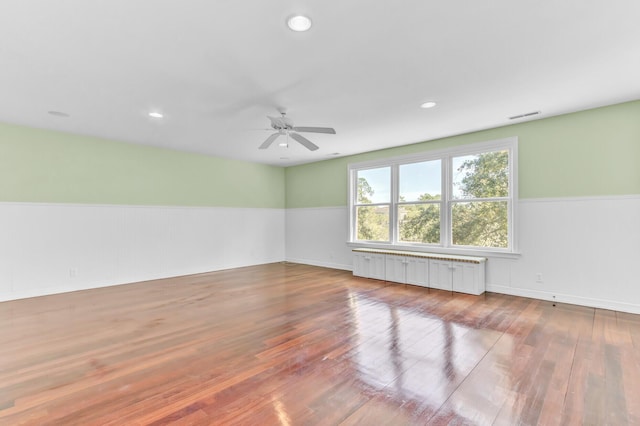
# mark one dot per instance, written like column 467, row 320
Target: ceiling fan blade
column 304, row 141
column 328, row 130
column 269, row 141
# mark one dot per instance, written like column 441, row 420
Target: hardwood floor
column 288, row 344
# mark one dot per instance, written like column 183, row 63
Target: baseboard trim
column 532, row 294
column 322, row 264
column 6, row 297
column 566, row 298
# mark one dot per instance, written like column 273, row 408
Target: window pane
column 374, row 185
column 420, row 181
column 419, row 223
column 372, row 223
column 484, row 175
column 480, row 224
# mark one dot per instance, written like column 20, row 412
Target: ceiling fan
column 285, row 126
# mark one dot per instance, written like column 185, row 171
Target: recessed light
column 299, row 23
column 283, row 144
column 58, row 114
column 156, row 114
column 429, row 104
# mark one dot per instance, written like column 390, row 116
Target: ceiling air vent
column 529, row 114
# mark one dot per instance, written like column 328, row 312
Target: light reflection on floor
column 419, row 359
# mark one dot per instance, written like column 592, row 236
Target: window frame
column 356, row 204
column 446, row 201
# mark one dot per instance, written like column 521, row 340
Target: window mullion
column 353, row 200
column 393, row 208
column 445, row 208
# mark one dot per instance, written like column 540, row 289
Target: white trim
column 521, row 200
column 426, row 248
column 130, row 206
column 445, row 207
column 424, row 255
column 28, row 294
column 319, row 207
column 38, row 292
column 513, row 206
column 394, row 231
column 321, row 264
column 351, row 190
column 566, row 298
column 581, row 199
column 139, row 206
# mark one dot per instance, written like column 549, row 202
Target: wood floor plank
column 292, row 344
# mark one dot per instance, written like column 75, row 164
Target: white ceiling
column 216, row 68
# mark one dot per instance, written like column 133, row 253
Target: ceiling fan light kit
column 299, row 23
column 284, row 126
column 428, row 104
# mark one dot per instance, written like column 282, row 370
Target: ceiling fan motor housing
column 281, row 123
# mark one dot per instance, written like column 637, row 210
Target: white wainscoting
column 585, row 248
column 54, row 248
column 317, row 236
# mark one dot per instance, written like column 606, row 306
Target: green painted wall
column 588, row 153
column 47, row 166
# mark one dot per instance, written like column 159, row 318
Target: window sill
column 435, row 249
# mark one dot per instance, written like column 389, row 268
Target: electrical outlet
column 73, row 272
column 539, row 277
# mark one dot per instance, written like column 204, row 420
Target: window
column 419, row 202
column 456, row 199
column 480, row 200
column 373, row 203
